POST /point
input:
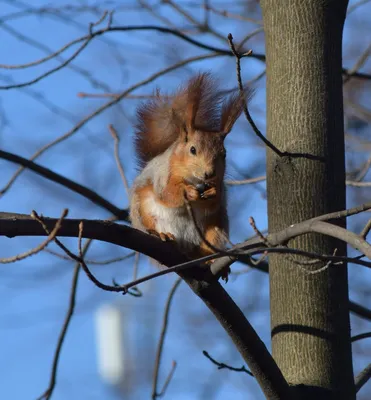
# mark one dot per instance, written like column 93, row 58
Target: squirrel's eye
column 193, row 150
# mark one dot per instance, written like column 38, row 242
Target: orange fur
column 146, row 218
column 198, row 104
column 180, row 143
column 213, row 235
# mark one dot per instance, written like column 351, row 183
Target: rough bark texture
column 309, row 312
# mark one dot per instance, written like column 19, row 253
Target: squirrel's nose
column 209, row 175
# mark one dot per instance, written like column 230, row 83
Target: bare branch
column 354, row 6
column 223, row 307
column 225, row 366
column 362, row 378
column 246, row 181
column 161, row 341
column 68, row 183
column 135, row 291
column 53, row 70
column 227, row 14
column 174, row 32
column 104, row 107
column 262, row 178
column 210, row 291
column 257, row 232
column 168, row 379
column 359, row 310
column 120, row 167
column 71, row 308
column 355, row 308
column 361, row 336
column 360, row 62
column 104, row 262
column 357, row 183
column 40, row 247
column 238, row 57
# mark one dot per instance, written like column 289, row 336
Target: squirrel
column 179, row 142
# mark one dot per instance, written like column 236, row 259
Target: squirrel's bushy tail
column 197, row 104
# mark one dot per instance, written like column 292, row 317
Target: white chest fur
column 176, row 221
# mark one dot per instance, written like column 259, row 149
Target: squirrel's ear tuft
column 179, row 125
column 202, row 102
column 232, row 108
column 195, row 92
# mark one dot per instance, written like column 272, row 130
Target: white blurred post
column 110, row 336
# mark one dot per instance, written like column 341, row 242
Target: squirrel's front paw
column 192, row 194
column 164, row 236
column 209, row 193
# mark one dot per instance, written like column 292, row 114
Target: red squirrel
column 179, row 142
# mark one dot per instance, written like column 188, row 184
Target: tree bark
column 309, row 312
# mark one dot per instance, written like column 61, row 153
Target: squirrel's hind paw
column 164, row 236
column 225, row 273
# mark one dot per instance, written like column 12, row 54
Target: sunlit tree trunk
column 309, row 312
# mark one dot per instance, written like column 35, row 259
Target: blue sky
column 34, row 292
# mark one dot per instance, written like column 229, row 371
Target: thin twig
column 248, row 37
column 356, row 183
column 363, row 171
column 206, row 5
column 79, row 242
column 225, row 366
column 227, row 14
column 247, row 181
column 41, row 246
column 55, row 69
column 359, row 63
column 245, row 109
column 83, row 264
column 134, row 289
column 168, row 379
column 361, row 336
column 202, row 27
column 259, row 260
column 110, row 95
column 151, row 10
column 110, row 288
column 117, row 158
column 262, row 178
column 70, row 311
column 180, row 35
column 62, row 335
column 354, row 6
column 257, row 232
column 104, row 262
column 160, row 346
column 161, row 29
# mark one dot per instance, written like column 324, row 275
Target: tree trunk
column 309, row 312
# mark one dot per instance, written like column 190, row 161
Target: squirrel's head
column 203, row 125
column 196, row 119
column 199, row 157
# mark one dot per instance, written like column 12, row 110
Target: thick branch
column 248, row 343
column 68, row 183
